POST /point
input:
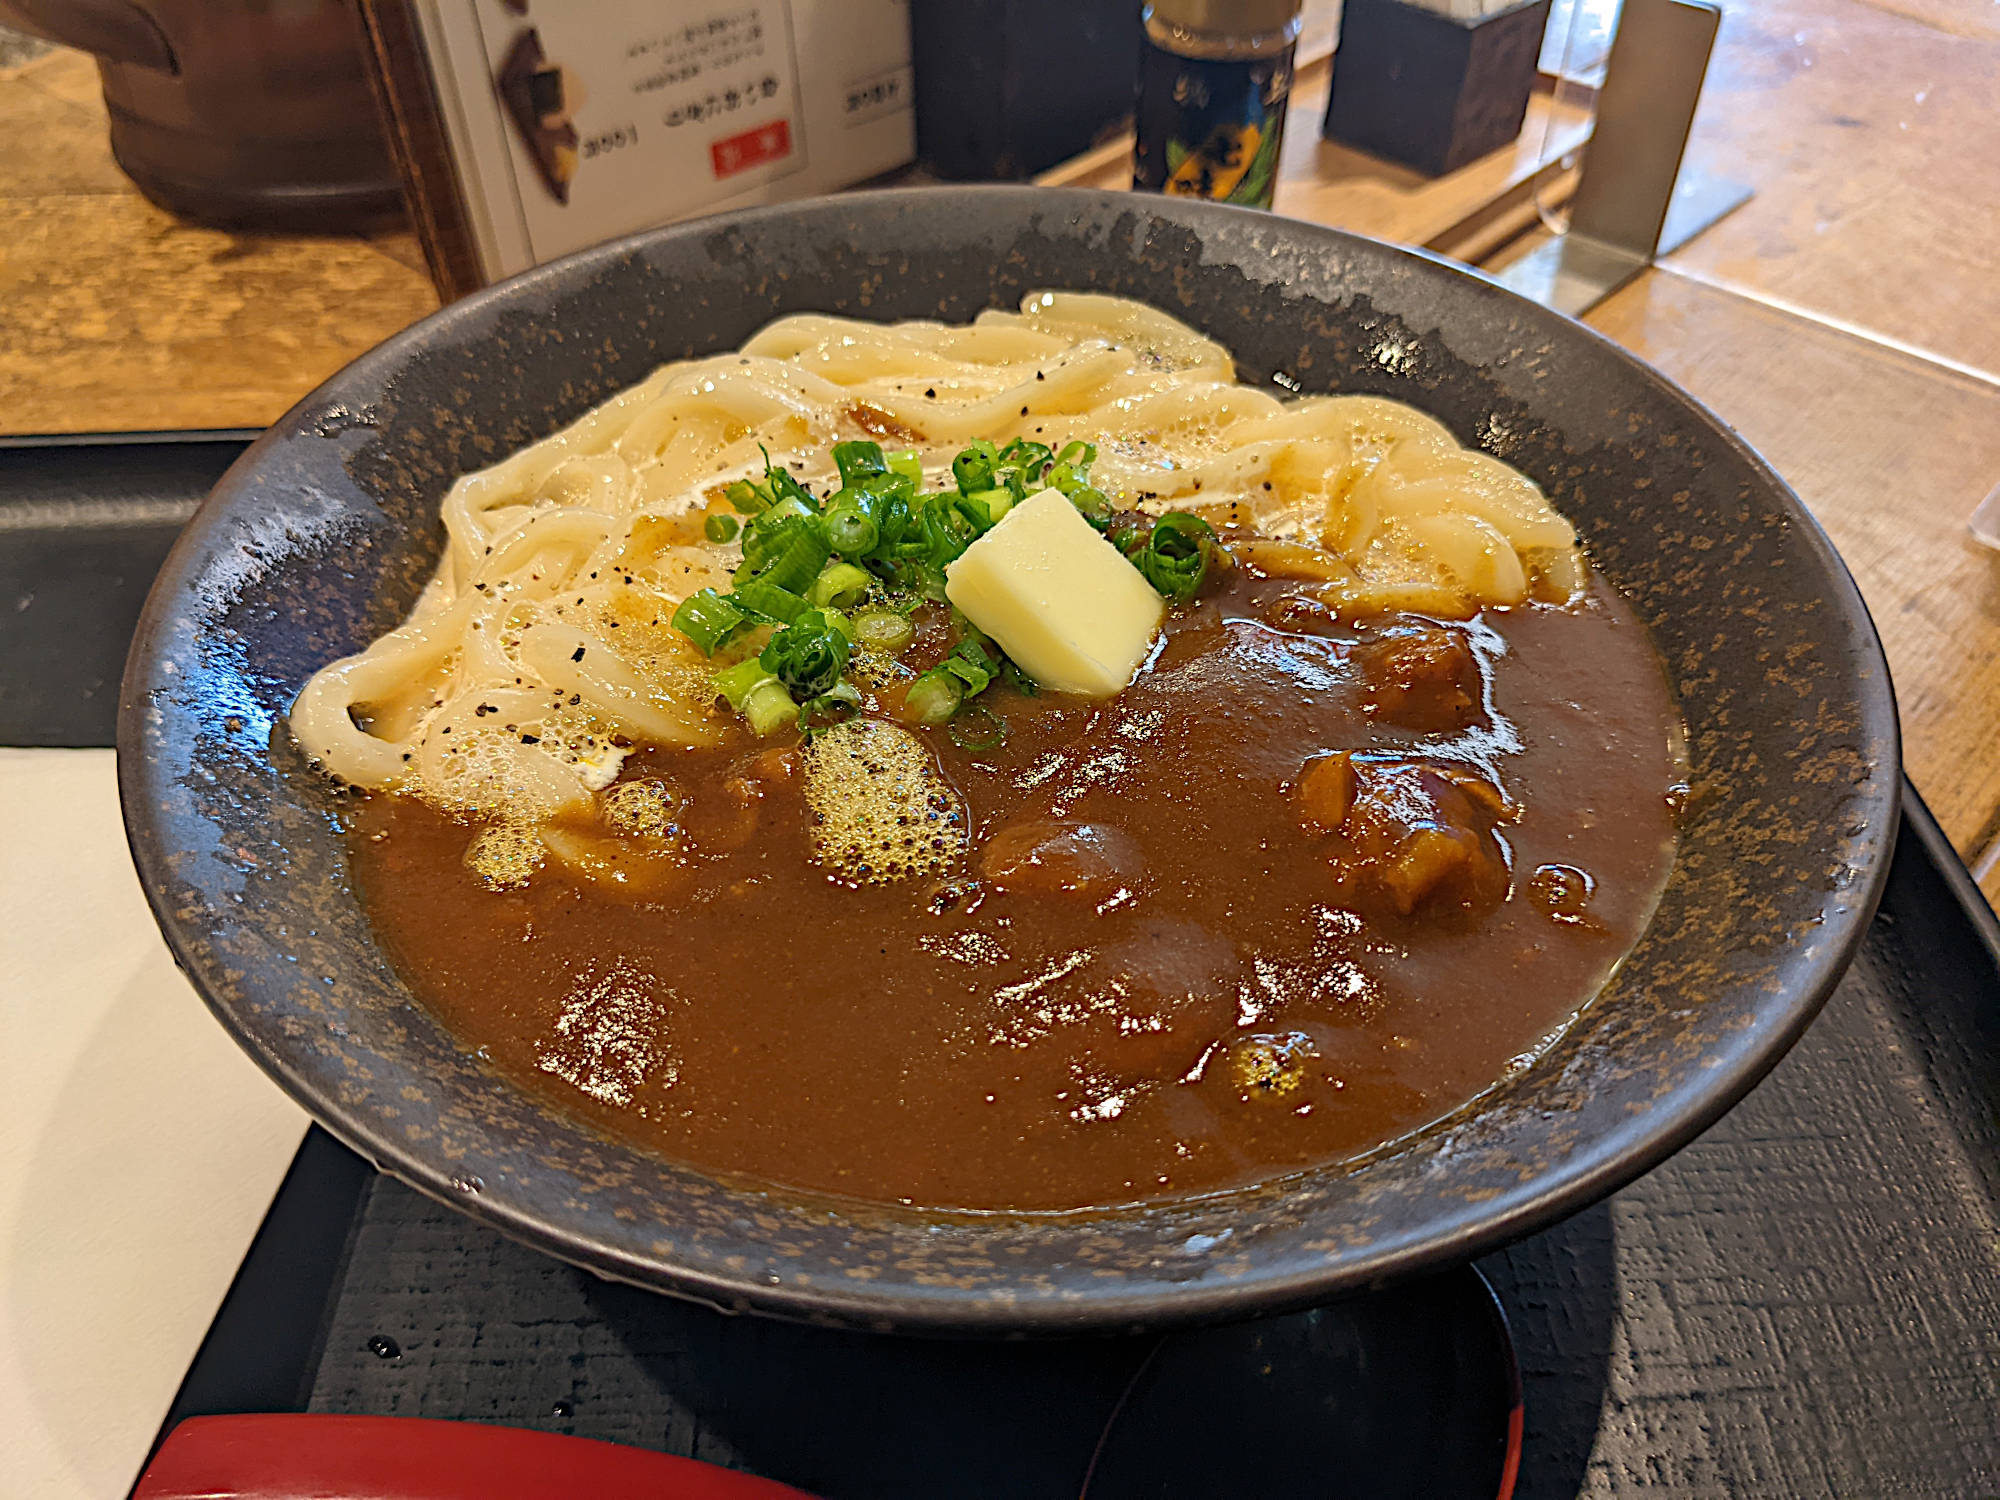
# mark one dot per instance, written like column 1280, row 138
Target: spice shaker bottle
column 1214, row 79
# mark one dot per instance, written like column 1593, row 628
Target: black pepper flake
column 1024, row 411
column 931, row 394
column 531, row 739
column 1040, row 376
column 577, row 655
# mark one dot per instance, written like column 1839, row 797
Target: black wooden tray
column 1804, row 1302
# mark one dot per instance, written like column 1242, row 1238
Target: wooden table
column 1846, row 320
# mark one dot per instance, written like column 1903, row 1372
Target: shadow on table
column 1560, row 1290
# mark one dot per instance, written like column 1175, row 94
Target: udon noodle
column 541, row 650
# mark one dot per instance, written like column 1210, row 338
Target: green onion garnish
column 972, row 664
column 858, row 462
column 1018, row 680
column 768, row 600
column 807, row 656
column 788, row 553
column 884, row 630
column 769, row 707
column 736, row 683
column 934, row 697
column 837, row 705
column 709, row 619
column 805, row 564
column 993, row 504
column 1175, row 555
column 850, row 530
column 978, row 728
column 840, row 586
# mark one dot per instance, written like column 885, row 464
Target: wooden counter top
column 1846, row 320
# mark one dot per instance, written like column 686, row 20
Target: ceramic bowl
column 320, row 536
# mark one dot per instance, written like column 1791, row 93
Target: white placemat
column 138, row 1147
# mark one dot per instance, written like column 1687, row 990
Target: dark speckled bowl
column 321, row 534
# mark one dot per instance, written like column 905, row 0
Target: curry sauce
column 1303, row 887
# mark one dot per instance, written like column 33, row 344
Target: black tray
column 85, row 523
column 1804, row 1302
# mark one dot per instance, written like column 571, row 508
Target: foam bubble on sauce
column 645, row 638
column 881, row 809
column 505, row 858
column 643, row 809
column 514, row 769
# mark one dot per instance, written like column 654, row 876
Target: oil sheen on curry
column 1013, row 766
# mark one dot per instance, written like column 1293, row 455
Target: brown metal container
column 246, row 114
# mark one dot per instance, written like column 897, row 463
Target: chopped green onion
column 1176, row 556
column 972, row 470
column 840, row 585
column 808, row 655
column 945, row 530
column 738, row 682
column 788, row 555
column 1018, row 680
column 885, row 630
column 978, row 728
column 934, row 697
column 777, row 487
column 768, row 600
column 769, row 707
column 836, row 705
column 788, row 491
column 720, row 528
column 993, row 503
column 1129, row 531
column 708, row 619
column 971, row 664
column 851, row 530
column 907, row 464
column 858, row 462
column 1070, row 473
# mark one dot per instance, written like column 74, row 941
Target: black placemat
column 438, row 1317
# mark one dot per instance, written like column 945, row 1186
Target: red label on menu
column 752, row 148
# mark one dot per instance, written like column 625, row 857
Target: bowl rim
column 1593, row 1170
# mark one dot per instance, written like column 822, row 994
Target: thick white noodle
column 542, row 648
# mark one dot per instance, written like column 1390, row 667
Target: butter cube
column 1058, row 598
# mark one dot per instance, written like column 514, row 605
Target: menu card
column 530, row 128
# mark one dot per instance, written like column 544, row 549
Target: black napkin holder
column 1428, row 90
column 1007, row 88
